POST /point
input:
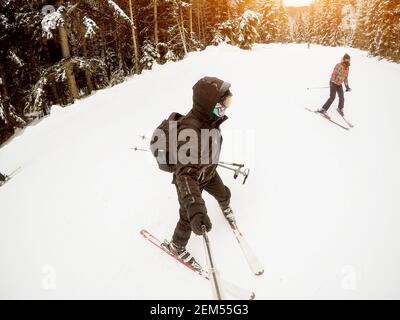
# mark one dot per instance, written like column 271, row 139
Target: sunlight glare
column 297, row 3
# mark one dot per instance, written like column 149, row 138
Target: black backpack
column 162, row 154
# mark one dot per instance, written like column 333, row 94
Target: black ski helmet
column 346, row 59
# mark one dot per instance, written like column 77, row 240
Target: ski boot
column 323, row 112
column 340, row 111
column 4, row 180
column 181, row 254
column 228, row 213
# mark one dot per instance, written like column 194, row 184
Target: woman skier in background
column 339, row 76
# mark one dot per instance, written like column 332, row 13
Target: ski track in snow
column 320, row 208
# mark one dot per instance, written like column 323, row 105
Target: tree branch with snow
column 51, row 22
column 119, row 12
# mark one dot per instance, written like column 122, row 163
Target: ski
column 231, row 288
column 14, row 173
column 10, row 176
column 328, row 118
column 248, row 253
column 347, row 121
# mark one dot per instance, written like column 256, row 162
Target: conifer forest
column 54, row 52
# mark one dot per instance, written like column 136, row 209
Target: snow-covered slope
column 321, row 206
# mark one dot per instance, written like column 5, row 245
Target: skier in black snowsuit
column 211, row 97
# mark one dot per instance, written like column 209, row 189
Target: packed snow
column 320, row 208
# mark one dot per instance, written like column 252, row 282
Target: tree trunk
column 88, row 74
column 198, row 20
column 135, row 48
column 117, row 48
column 181, row 34
column 182, row 30
column 73, row 88
column 3, row 86
column 155, row 23
column 104, row 52
column 229, row 19
column 53, row 88
column 203, row 23
column 191, row 19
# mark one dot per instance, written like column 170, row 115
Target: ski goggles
column 224, row 104
column 227, row 101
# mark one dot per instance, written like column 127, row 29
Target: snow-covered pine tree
column 225, row 32
column 175, row 30
column 10, row 56
column 226, row 25
column 299, row 29
column 247, row 29
column 311, row 33
column 240, row 6
column 389, row 33
column 374, row 27
column 270, row 21
column 193, row 40
column 149, row 55
column 348, row 23
column 57, row 21
column 20, row 57
column 331, row 22
column 283, row 29
column 323, row 29
column 215, row 14
column 361, row 38
column 165, row 54
column 335, row 30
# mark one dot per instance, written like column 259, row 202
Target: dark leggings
column 218, row 190
column 335, row 89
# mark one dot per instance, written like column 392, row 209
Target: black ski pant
column 218, row 190
column 335, row 89
column 2, row 178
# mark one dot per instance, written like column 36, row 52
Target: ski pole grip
column 238, row 165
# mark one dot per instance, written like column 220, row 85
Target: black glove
column 348, row 89
column 198, row 220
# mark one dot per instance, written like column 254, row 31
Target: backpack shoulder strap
column 175, row 116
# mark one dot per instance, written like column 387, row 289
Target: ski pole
column 12, row 174
column 232, row 164
column 215, row 280
column 140, row 149
column 315, row 88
